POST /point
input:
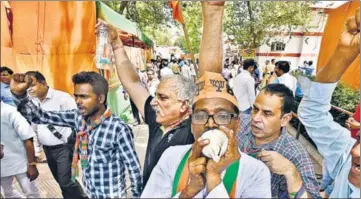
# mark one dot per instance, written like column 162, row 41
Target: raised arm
column 333, row 141
column 19, row 84
column 126, row 72
column 211, row 50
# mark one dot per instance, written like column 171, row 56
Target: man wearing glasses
column 184, row 172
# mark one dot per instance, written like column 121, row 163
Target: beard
column 92, row 112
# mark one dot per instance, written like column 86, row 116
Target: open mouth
column 256, row 127
column 356, row 168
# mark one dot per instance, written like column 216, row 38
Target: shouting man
column 104, row 142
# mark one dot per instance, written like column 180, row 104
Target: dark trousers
column 59, row 159
column 135, row 111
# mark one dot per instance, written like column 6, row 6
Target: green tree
column 192, row 14
column 152, row 17
column 251, row 23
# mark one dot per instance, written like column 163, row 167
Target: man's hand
column 20, row 83
column 352, row 124
column 197, row 168
column 276, row 162
column 348, row 48
column 214, row 169
column 112, row 32
column 349, row 42
column 32, row 172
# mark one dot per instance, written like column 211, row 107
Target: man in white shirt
column 340, row 152
column 54, row 139
column 153, row 81
column 165, row 70
column 185, row 70
column 244, row 88
column 283, row 77
column 18, row 160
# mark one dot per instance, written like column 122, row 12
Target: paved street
column 50, row 189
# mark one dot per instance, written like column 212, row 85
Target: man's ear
column 184, row 106
column 286, row 118
column 101, row 99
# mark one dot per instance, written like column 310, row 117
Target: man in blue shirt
column 5, row 78
column 340, row 151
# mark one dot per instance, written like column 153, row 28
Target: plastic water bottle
column 102, row 48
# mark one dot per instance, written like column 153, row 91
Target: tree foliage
column 152, row 17
column 192, row 14
column 251, row 23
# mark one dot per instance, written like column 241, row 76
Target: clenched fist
column 349, row 42
column 20, row 83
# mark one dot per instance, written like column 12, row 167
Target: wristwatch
column 32, row 164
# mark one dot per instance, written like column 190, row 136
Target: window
column 278, row 46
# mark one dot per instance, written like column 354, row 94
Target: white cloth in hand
column 217, row 146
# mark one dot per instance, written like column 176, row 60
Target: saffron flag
column 177, row 12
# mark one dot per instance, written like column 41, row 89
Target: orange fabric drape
column 54, row 37
column 177, row 12
column 335, row 23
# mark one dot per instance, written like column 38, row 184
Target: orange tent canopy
column 335, row 23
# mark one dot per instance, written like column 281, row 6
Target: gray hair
column 184, row 87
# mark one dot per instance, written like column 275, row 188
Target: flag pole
column 188, row 41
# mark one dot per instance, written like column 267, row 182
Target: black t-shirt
column 157, row 143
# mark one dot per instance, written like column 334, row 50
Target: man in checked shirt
column 263, row 135
column 105, row 143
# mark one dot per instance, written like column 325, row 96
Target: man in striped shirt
column 104, row 141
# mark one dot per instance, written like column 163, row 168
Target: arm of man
column 126, row 72
column 37, row 115
column 26, row 133
column 211, row 49
column 299, row 173
column 19, row 85
column 333, row 141
column 130, row 158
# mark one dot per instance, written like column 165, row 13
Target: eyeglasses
column 220, row 118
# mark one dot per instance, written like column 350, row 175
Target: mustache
column 256, row 125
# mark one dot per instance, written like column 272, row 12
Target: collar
column 177, row 125
column 247, row 72
column 4, row 85
column 50, row 93
column 354, row 191
column 273, row 146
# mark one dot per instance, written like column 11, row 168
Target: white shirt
column 333, row 141
column 253, row 181
column 244, row 90
column 166, row 71
column 14, row 130
column 289, row 81
column 152, row 86
column 193, row 72
column 54, row 101
column 186, row 71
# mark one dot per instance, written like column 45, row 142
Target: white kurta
column 253, row 181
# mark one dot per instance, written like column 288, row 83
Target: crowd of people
column 261, row 160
